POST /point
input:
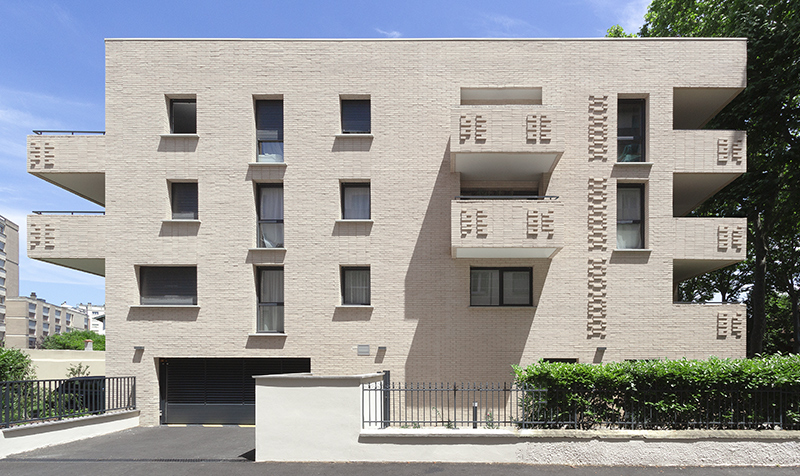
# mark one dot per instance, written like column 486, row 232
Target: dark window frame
column 633, row 139
column 344, row 187
column 641, row 221
column 344, row 281
column 260, row 221
column 148, row 297
column 356, row 116
column 179, row 202
column 503, row 270
column 261, row 302
column 269, row 128
column 189, row 127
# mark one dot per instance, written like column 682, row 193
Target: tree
column 15, row 365
column 768, row 109
column 74, row 340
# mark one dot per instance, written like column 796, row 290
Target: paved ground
column 229, row 450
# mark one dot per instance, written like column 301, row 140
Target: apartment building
column 30, row 319
column 441, row 209
column 9, row 267
column 97, row 316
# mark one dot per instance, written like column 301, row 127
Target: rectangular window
column 2, row 281
column 630, row 216
column 183, row 116
column 31, row 342
column 161, row 285
column 58, row 329
column 184, row 200
column 270, row 215
column 270, row 300
column 355, row 286
column 630, row 130
column 355, row 201
column 356, row 116
column 501, row 287
column 269, row 130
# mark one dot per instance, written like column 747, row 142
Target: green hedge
column 719, row 393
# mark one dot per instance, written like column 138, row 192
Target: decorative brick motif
column 730, row 151
column 538, row 128
column 730, row 237
column 481, row 223
column 480, row 128
column 598, row 128
column 596, row 325
column 543, row 222
column 42, row 154
column 549, row 223
column 598, row 214
column 533, row 223
column 730, row 324
column 466, row 222
column 465, row 127
column 42, row 236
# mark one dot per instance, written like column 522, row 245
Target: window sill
column 267, row 334
column 179, row 136
column 267, row 164
column 632, row 250
column 367, row 135
column 354, row 306
column 180, row 221
column 266, row 249
column 355, row 220
column 165, row 306
column 628, row 164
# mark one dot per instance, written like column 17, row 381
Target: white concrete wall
column 301, row 417
column 29, row 437
column 53, row 364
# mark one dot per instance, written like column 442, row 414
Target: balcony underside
column 694, row 107
column 96, row 266
column 683, row 269
column 91, row 186
column 504, row 166
column 501, row 253
column 690, row 190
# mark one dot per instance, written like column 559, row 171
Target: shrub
column 74, row 340
column 15, row 365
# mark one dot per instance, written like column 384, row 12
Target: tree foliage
column 15, row 365
column 769, row 110
column 74, row 340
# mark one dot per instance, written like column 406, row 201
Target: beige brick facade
column 429, row 141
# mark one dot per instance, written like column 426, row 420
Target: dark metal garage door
column 216, row 391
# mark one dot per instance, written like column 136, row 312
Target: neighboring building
column 9, row 267
column 441, row 209
column 31, row 319
column 97, row 314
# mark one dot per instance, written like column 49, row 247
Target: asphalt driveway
column 229, row 450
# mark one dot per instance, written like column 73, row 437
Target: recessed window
column 270, row 215
column 630, row 130
column 355, row 201
column 630, row 216
column 270, row 300
column 183, row 116
column 269, row 130
column 184, row 201
column 356, row 116
column 162, row 285
column 501, row 287
column 355, row 286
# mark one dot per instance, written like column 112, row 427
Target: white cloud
column 389, row 34
column 507, row 27
column 629, row 14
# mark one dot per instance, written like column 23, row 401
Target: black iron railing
column 507, row 197
column 411, row 405
column 26, row 401
column 72, row 133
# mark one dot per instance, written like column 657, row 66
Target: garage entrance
column 216, row 391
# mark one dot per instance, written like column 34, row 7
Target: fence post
column 474, row 414
column 387, row 410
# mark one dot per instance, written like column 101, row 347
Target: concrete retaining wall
column 37, row 435
column 53, row 364
column 301, row 417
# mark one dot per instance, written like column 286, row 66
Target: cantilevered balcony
column 74, row 240
column 506, row 228
column 705, row 244
column 74, row 162
column 705, row 162
column 505, row 142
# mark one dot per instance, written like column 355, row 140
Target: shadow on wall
column 452, row 341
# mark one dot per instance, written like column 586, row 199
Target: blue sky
column 52, row 69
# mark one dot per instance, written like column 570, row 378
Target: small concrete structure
column 303, row 417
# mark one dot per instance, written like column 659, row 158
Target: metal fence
column 27, row 401
column 411, row 405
